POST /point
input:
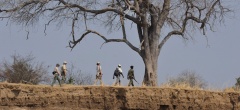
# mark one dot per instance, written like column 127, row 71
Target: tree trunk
column 149, row 54
column 149, row 34
column 150, row 76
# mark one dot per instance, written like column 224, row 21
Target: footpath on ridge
column 38, row 97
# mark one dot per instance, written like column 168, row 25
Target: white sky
column 217, row 63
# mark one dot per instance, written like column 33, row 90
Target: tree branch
column 73, row 43
column 162, row 16
column 123, row 26
column 70, row 5
column 96, row 12
column 168, row 36
column 189, row 16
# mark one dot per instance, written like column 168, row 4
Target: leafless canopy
column 188, row 77
column 23, row 69
column 177, row 15
column 155, row 20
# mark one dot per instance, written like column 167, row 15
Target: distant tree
column 23, row 69
column 190, row 78
column 155, row 21
column 237, row 84
column 1, row 77
column 78, row 78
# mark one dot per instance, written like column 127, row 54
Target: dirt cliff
column 29, row 97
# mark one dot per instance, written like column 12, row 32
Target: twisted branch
column 74, row 42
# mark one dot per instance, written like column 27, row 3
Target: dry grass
column 165, row 85
column 231, row 89
column 179, row 86
column 187, row 86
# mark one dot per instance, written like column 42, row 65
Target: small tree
column 188, row 77
column 237, row 85
column 23, row 69
column 79, row 78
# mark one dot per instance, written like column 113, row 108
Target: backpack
column 116, row 72
column 54, row 72
column 99, row 74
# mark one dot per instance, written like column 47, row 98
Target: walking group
column 117, row 73
column 57, row 73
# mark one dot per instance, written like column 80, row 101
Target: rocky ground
column 40, row 97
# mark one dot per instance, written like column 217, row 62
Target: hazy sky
column 216, row 58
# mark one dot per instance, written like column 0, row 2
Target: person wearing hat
column 64, row 71
column 117, row 73
column 56, row 73
column 130, row 76
column 98, row 74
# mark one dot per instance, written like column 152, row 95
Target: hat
column 98, row 63
column 64, row 62
column 119, row 65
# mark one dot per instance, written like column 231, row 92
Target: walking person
column 117, row 73
column 64, row 71
column 56, row 74
column 98, row 74
column 130, row 76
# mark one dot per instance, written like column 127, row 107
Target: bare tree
column 156, row 21
column 23, row 69
column 79, row 78
column 188, row 77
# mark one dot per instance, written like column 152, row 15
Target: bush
column 79, row 78
column 188, row 77
column 23, row 69
column 237, row 84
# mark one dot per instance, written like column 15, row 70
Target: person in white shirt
column 56, row 73
column 64, row 71
column 98, row 74
column 117, row 73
